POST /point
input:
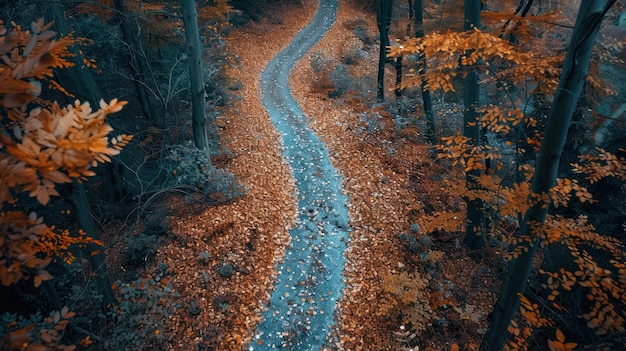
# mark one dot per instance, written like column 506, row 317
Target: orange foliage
column 601, row 277
column 559, row 344
column 603, row 164
column 531, row 319
column 451, row 53
column 41, row 147
column 50, row 337
column 460, row 150
column 525, row 29
column 447, row 221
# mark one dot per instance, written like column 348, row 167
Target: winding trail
column 309, row 281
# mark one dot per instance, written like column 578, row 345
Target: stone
column 226, row 271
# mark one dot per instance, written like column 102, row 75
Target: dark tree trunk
column 383, row 20
column 82, row 79
column 87, row 88
column 192, row 36
column 135, row 59
column 398, row 90
column 94, row 253
column 575, row 70
column 418, row 21
column 475, row 226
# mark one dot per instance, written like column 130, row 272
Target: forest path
column 309, row 281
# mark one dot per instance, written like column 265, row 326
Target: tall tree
column 416, row 13
column 84, row 84
column 417, row 7
column 136, row 59
column 383, row 21
column 192, row 36
column 474, row 230
column 575, row 68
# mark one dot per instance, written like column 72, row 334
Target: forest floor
column 389, row 177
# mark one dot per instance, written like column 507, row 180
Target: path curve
column 309, row 281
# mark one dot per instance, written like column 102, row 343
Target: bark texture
column 192, row 36
column 474, row 229
column 383, row 20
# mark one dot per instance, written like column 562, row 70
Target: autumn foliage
column 42, row 145
column 596, row 270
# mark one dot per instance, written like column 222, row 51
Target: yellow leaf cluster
column 48, row 145
column 601, row 165
column 443, row 220
column 497, row 120
column 54, row 146
column 531, row 319
column 461, row 150
column 561, row 194
column 559, row 344
column 603, row 282
column 26, row 57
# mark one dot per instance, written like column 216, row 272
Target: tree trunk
column 474, row 229
column 86, row 87
column 135, row 62
column 398, row 90
column 383, row 20
column 82, row 79
column 94, row 252
column 192, row 36
column 512, row 36
column 418, row 21
column 575, row 70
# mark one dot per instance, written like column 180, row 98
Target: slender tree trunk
column 86, row 87
column 474, row 230
column 398, row 90
column 383, row 20
column 512, row 36
column 192, row 36
column 418, row 21
column 94, row 252
column 134, row 58
column 575, row 70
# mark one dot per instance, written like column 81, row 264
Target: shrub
column 141, row 249
column 342, row 81
column 331, row 79
column 361, row 31
column 191, row 166
column 138, row 320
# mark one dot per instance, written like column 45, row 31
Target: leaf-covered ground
column 389, row 178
